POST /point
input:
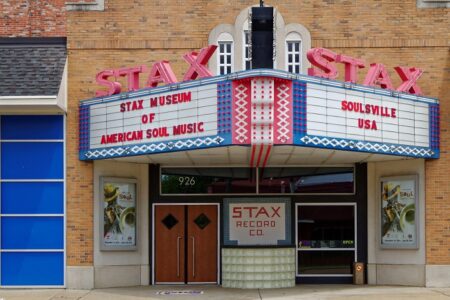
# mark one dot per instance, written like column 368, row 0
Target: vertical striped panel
column 32, row 200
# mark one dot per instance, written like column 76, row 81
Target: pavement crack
column 259, row 293
column 442, row 293
column 65, row 295
column 90, row 291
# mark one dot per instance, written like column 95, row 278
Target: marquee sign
column 367, row 120
column 156, row 122
column 253, row 222
column 189, row 113
column 260, row 109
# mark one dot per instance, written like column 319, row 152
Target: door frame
column 218, row 241
column 297, row 249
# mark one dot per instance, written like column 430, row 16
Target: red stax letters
column 409, row 77
column 255, row 212
column 102, row 79
column 351, row 67
column 161, row 72
column 323, row 59
column 132, row 75
column 276, row 211
column 198, row 63
column 378, row 75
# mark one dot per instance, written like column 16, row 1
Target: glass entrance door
column 326, row 239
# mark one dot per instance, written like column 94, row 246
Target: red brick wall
column 32, row 18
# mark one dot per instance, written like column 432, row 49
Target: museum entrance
column 306, row 222
column 186, row 244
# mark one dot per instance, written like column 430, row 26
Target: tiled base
column 258, row 268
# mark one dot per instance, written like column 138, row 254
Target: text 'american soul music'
column 149, row 118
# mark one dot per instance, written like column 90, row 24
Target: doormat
column 179, row 293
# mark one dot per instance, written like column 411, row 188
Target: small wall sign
column 257, row 221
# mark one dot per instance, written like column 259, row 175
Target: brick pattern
column 31, row 18
column 131, row 33
column 160, row 22
column 79, row 197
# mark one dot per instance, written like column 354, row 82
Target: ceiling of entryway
column 240, row 156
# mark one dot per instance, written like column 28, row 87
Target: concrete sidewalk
column 347, row 292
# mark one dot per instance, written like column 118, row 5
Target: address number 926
column 186, row 180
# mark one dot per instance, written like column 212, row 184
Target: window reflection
column 325, row 262
column 306, row 180
column 326, row 239
column 208, row 180
column 322, row 226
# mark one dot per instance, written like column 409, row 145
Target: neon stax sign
column 323, row 60
column 160, row 72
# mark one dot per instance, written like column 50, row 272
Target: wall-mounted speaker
column 262, row 37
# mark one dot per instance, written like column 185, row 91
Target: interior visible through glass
column 208, row 180
column 325, row 262
column 283, row 180
column 326, row 239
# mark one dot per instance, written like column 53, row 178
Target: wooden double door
column 185, row 244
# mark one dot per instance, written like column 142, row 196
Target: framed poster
column 118, row 213
column 399, row 212
column 257, row 221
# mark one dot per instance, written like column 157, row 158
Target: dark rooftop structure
column 31, row 66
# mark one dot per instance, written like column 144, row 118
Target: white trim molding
column 305, row 38
column 22, row 104
column 433, row 3
column 214, row 37
column 85, row 5
column 281, row 32
column 61, row 98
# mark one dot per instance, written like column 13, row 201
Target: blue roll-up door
column 32, row 210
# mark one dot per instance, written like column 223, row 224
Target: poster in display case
column 118, row 213
column 399, row 212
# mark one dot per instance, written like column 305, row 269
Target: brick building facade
column 115, row 34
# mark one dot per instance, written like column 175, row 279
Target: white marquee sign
column 363, row 116
column 262, row 109
column 180, row 114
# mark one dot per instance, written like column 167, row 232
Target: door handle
column 193, row 256
column 178, row 255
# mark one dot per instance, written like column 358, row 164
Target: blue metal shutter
column 32, row 174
